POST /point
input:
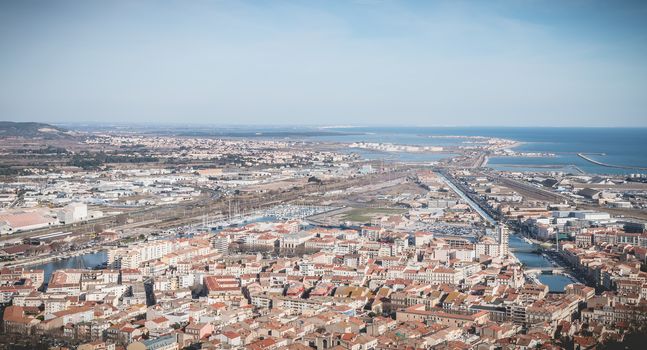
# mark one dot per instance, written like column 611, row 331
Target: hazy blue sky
column 325, row 62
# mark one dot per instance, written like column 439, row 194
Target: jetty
column 583, row 156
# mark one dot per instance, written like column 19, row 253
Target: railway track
column 181, row 214
column 531, row 191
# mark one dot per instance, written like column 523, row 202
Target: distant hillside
column 30, row 129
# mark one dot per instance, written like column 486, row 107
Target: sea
column 616, row 146
column 620, row 146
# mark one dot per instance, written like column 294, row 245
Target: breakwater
column 590, row 160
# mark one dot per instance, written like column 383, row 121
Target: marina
column 98, row 258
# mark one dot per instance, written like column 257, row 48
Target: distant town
column 125, row 239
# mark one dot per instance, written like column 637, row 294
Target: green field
column 366, row 214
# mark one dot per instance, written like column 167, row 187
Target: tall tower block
column 503, row 240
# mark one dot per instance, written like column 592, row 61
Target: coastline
column 514, row 145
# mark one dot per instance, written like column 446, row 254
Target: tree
column 98, row 228
column 313, row 179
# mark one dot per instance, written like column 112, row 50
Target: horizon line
column 320, row 126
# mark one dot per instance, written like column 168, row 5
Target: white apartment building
column 73, row 212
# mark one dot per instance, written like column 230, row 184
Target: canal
column 468, row 200
column 555, row 283
column 84, row 261
column 91, row 260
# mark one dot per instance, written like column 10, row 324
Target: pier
column 590, row 160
